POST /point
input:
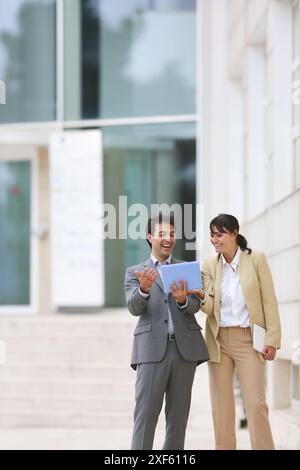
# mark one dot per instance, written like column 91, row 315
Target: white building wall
column 223, row 137
column 234, row 150
column 252, row 159
column 254, row 131
column 215, row 139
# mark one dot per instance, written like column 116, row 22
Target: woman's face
column 223, row 242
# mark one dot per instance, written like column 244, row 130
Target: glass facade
column 15, row 216
column 131, row 58
column 149, row 165
column 121, row 59
column 27, row 60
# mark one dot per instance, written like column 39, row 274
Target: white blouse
column 233, row 308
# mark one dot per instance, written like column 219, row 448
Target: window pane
column 15, row 195
column 27, row 60
column 149, row 165
column 137, row 58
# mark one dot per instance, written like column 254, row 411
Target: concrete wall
column 44, row 289
column 250, row 156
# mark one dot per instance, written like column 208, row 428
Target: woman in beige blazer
column 237, row 293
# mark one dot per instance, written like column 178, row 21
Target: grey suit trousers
column 171, row 378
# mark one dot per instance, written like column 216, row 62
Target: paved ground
column 115, row 397
column 118, row 436
column 199, row 432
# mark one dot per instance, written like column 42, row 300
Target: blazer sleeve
column 208, row 287
column 135, row 302
column 269, row 303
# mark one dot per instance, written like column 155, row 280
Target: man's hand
column 199, row 293
column 146, row 279
column 269, row 353
column 179, row 294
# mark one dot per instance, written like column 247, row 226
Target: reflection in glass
column 15, row 194
column 150, row 165
column 137, row 58
column 27, row 60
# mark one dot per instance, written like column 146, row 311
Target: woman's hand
column 198, row 292
column 180, row 294
column 269, row 353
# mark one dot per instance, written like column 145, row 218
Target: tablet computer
column 188, row 271
column 259, row 334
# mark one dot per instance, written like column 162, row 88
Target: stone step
column 69, row 357
column 69, row 404
column 65, row 331
column 69, row 339
column 48, row 419
column 67, row 371
column 59, row 321
column 55, row 371
column 62, row 387
column 64, row 345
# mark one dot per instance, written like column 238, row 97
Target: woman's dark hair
column 229, row 223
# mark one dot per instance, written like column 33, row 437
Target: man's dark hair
column 159, row 219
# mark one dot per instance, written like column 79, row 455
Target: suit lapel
column 218, row 280
column 246, row 272
column 149, row 264
column 158, row 280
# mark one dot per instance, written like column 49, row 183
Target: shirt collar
column 236, row 260
column 156, row 262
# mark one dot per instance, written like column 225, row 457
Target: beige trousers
column 237, row 352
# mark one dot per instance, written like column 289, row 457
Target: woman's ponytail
column 242, row 243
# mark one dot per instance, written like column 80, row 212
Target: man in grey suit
column 168, row 343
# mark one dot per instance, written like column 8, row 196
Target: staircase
column 67, row 371
column 67, row 380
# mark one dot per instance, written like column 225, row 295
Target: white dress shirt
column 157, row 264
column 233, row 311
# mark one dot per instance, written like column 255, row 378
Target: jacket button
column 166, row 301
column 166, row 321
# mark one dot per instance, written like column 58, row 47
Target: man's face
column 163, row 240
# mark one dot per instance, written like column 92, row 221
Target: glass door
column 16, row 241
column 149, row 164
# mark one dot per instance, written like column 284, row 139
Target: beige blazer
column 258, row 291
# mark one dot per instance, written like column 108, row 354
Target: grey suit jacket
column 151, row 332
